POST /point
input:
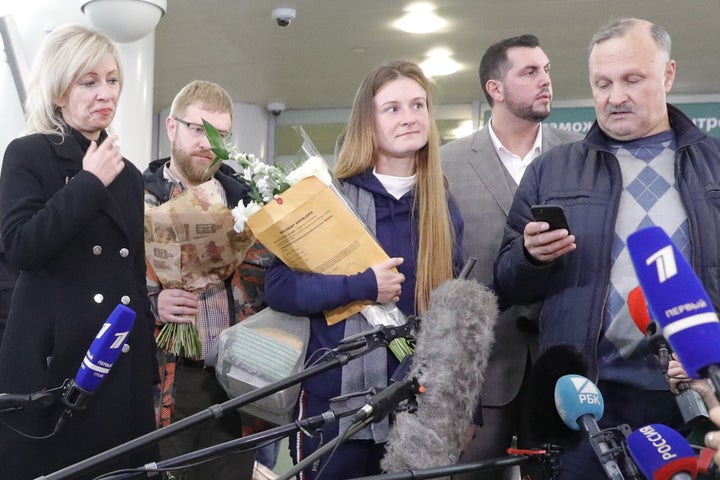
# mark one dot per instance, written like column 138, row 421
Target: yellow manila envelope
column 311, row 229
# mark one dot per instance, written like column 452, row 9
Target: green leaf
column 220, row 153
column 213, row 136
column 217, row 146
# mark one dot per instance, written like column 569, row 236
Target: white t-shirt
column 396, row 186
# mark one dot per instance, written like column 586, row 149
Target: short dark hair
column 494, row 64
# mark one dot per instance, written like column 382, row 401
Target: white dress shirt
column 514, row 164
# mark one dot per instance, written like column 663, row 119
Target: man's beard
column 526, row 111
column 192, row 172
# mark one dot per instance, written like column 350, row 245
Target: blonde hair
column 359, row 151
column 66, row 54
column 208, row 95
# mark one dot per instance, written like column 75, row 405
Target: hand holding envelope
column 312, row 229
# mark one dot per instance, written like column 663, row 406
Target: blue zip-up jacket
column 301, row 293
column 585, row 178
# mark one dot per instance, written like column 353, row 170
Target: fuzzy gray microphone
column 451, row 355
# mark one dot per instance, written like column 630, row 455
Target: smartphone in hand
column 554, row 215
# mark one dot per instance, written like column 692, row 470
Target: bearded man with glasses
column 188, row 386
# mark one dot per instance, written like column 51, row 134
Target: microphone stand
column 446, row 471
column 365, row 342
column 374, row 411
column 309, row 425
column 352, row 430
column 380, row 408
column 12, row 403
column 549, row 456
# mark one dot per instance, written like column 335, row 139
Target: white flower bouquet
column 268, row 181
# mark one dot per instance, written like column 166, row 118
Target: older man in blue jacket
column 642, row 163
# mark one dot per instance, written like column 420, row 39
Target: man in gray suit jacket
column 484, row 170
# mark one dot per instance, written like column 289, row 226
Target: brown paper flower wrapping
column 191, row 244
column 190, row 241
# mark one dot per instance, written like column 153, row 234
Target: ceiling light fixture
column 124, row 20
column 420, row 18
column 439, row 63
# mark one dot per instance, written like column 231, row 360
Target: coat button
column 98, row 298
column 97, row 250
column 124, row 252
column 125, row 348
column 125, row 300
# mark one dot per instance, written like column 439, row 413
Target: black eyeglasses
column 197, row 130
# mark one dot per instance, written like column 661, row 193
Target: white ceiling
column 321, row 57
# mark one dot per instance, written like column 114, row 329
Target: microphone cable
column 55, row 392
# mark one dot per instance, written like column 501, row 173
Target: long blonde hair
column 359, row 151
column 66, row 54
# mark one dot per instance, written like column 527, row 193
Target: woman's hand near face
column 104, row 161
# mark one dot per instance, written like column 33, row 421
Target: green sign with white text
column 706, row 117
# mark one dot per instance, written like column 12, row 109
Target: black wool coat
column 80, row 249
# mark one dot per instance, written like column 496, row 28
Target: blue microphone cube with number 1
column 677, row 299
column 576, row 396
column 106, row 348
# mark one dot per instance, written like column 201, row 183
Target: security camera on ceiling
column 284, row 15
column 276, row 108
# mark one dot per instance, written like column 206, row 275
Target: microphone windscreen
column 540, row 415
column 637, row 307
column 677, row 299
column 660, row 452
column 576, row 396
column 451, row 355
column 105, row 349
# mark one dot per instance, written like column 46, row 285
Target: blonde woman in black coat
column 72, row 220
